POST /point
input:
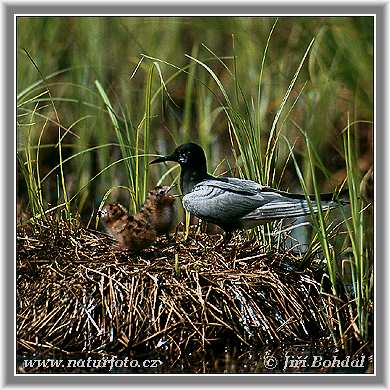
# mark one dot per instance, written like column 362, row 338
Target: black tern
column 233, row 203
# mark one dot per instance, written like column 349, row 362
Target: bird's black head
column 189, row 156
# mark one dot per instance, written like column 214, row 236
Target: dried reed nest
column 75, row 293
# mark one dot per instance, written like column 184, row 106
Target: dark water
column 292, row 359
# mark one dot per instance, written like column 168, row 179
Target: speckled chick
column 161, row 210
column 131, row 232
column 157, row 216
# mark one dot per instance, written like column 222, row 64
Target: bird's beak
column 102, row 213
column 161, row 159
column 173, row 185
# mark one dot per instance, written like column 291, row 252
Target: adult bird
column 233, row 203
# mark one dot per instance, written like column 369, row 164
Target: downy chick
column 131, row 232
column 156, row 217
column 160, row 209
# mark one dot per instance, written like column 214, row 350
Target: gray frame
column 8, row 167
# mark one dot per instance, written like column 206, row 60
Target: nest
column 77, row 294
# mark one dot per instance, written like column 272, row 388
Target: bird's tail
column 338, row 198
column 288, row 209
column 285, row 205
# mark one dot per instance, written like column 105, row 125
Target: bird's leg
column 227, row 236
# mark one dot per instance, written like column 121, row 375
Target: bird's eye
column 184, row 157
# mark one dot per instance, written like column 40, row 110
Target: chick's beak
column 172, row 186
column 102, row 213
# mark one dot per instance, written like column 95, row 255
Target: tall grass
column 322, row 236
column 30, row 174
column 361, row 263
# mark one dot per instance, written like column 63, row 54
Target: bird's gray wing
column 233, row 184
column 222, row 202
column 278, row 204
column 244, row 202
